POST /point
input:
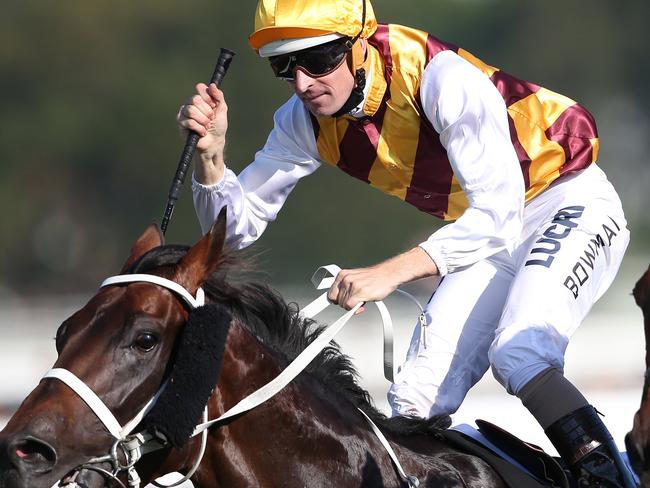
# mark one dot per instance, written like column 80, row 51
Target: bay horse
column 638, row 440
column 125, row 341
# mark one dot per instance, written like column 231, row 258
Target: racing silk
column 397, row 150
column 438, row 129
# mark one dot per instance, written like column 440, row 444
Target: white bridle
column 134, row 446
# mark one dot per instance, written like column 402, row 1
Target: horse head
column 120, row 345
column 638, row 440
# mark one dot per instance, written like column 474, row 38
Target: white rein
column 134, row 446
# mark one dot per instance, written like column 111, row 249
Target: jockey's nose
column 30, row 455
column 302, row 81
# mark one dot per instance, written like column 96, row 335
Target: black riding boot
column 586, row 445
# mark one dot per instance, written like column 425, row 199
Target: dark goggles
column 316, row 61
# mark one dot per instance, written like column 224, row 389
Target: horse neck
column 306, row 413
column 249, row 364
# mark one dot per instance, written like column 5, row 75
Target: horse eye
column 146, row 341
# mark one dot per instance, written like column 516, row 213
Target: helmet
column 283, row 26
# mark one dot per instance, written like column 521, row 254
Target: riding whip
column 225, row 56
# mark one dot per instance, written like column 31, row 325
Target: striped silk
column 396, row 150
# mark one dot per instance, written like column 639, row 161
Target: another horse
column 638, row 441
column 123, row 343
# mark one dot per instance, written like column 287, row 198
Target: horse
column 638, row 440
column 124, row 345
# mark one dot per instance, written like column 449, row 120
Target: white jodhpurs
column 515, row 313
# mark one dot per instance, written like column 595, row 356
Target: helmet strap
column 356, row 97
column 357, row 59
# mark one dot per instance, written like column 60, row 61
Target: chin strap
column 356, row 97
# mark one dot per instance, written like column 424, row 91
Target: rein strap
column 324, row 277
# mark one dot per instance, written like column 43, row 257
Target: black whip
column 225, row 56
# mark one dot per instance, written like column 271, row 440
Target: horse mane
column 279, row 326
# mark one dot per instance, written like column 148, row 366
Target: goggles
column 316, row 61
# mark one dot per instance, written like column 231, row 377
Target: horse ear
column 203, row 258
column 150, row 238
column 641, row 290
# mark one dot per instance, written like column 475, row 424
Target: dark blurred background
column 89, row 145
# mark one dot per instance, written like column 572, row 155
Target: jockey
column 538, row 231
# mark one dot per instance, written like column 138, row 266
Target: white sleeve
column 255, row 197
column 470, row 115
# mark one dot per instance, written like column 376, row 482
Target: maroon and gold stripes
column 396, row 150
column 578, row 153
column 552, row 135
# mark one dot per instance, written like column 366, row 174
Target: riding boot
column 585, row 444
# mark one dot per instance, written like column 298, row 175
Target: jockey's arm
column 256, row 195
column 470, row 115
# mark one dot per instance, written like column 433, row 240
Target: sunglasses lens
column 283, row 66
column 320, row 62
column 316, row 61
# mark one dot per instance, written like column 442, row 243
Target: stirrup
column 598, row 469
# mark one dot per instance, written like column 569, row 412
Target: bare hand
column 206, row 113
column 353, row 286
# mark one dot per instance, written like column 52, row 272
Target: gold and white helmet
column 285, row 26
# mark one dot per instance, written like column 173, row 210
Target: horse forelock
column 168, row 255
column 279, row 326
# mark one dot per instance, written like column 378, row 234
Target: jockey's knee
column 519, row 353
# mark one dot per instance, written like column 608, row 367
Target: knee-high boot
column 585, row 444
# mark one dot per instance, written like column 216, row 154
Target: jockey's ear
column 203, row 258
column 150, row 238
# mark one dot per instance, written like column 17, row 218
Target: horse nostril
column 34, row 453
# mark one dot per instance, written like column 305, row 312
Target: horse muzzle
column 26, row 462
